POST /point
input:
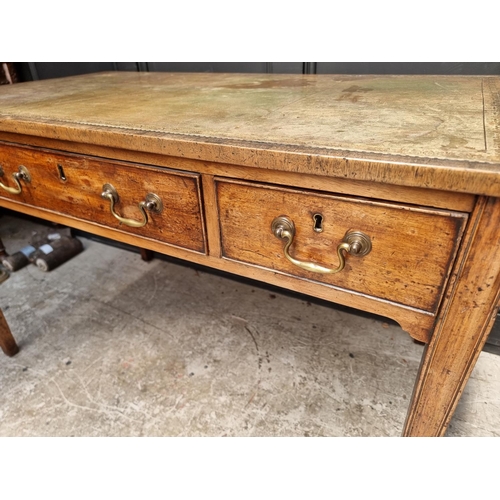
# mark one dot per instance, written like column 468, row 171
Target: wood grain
column 465, row 319
column 79, row 194
column 412, row 195
column 211, row 215
column 416, row 322
column 412, row 252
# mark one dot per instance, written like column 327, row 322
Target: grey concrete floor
column 114, row 346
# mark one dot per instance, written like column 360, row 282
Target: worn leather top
column 261, row 120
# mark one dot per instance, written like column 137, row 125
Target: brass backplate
column 108, row 188
column 154, row 203
column 25, row 175
column 359, row 241
column 282, row 223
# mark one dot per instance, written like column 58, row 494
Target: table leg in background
column 7, row 342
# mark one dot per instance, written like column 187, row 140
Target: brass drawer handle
column 354, row 242
column 21, row 175
column 152, row 203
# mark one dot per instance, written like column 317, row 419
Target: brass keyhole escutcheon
column 318, row 223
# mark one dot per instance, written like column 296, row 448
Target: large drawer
column 412, row 248
column 72, row 185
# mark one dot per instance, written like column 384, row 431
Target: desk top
column 432, row 131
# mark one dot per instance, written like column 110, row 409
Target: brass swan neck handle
column 21, row 175
column 354, row 242
column 151, row 203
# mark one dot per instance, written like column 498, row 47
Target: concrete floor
column 114, row 346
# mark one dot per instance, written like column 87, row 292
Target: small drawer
column 410, row 249
column 72, row 185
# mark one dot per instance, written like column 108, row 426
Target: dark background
column 43, row 70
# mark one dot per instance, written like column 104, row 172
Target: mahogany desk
column 376, row 192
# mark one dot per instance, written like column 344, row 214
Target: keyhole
column 318, row 223
column 61, row 172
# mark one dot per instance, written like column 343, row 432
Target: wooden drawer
column 72, row 185
column 412, row 247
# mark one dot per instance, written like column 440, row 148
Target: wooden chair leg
column 7, row 342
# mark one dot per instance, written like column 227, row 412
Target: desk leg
column 7, row 342
column 465, row 319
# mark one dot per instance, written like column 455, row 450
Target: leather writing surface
column 423, row 116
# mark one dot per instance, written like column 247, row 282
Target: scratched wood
column 79, row 193
column 466, row 317
column 413, row 195
column 416, row 322
column 412, row 248
column 440, row 132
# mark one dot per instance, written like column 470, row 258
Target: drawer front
column 412, row 248
column 72, row 185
